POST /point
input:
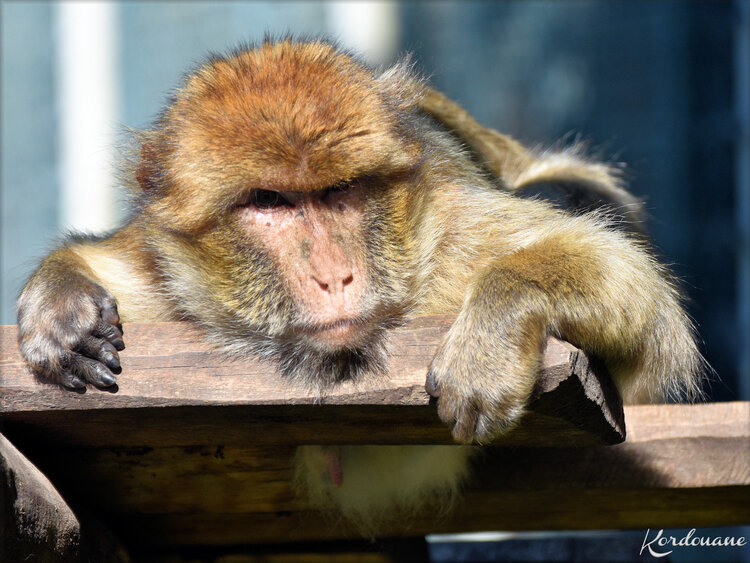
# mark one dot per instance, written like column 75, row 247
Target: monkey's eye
column 339, row 188
column 266, row 199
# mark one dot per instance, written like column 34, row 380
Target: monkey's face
column 280, row 182
column 311, row 280
column 316, row 239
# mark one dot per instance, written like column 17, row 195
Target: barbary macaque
column 296, row 205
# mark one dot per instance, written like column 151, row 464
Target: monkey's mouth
column 341, row 333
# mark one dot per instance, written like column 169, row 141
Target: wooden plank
column 708, row 447
column 36, row 521
column 385, row 550
column 34, row 515
column 194, row 449
column 526, row 511
column 694, row 473
column 172, row 379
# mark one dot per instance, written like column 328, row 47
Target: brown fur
column 383, row 213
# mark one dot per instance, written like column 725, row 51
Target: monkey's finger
column 484, row 429
column 102, row 350
column 92, row 371
column 447, row 411
column 431, row 385
column 71, row 381
column 108, row 310
column 494, row 420
column 110, row 332
column 466, row 422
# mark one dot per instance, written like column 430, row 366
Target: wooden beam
column 194, row 449
column 37, row 523
column 172, row 378
column 35, row 518
column 682, row 466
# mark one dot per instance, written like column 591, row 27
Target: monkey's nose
column 334, row 283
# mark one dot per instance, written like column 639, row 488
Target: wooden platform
column 194, row 449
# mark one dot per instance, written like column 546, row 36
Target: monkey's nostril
column 336, row 287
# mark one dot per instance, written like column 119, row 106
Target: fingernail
column 72, row 382
column 112, row 362
column 106, row 379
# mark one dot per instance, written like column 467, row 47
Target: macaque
column 296, row 205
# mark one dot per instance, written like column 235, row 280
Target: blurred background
column 663, row 87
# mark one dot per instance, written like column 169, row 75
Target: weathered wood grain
column 683, row 465
column 195, row 450
column 37, row 523
column 34, row 515
column 172, row 379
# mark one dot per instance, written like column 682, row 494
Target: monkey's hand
column 69, row 329
column 486, row 367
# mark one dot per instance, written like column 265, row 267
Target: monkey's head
column 274, row 191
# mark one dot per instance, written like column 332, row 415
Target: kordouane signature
column 660, row 543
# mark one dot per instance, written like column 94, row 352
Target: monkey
column 297, row 205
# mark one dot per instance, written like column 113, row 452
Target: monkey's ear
column 402, row 86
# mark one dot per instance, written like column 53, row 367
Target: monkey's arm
column 68, row 319
column 581, row 281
